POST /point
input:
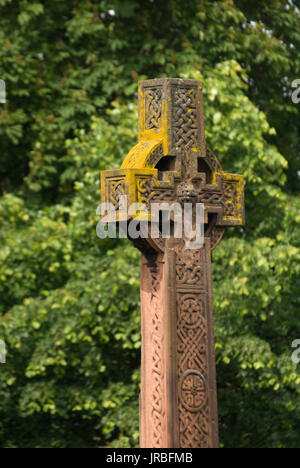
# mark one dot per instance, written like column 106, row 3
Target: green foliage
column 69, row 301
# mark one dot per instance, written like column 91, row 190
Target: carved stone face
column 186, row 193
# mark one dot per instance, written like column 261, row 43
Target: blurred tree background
column 69, row 302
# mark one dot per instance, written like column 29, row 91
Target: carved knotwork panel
column 151, row 190
column 185, row 125
column 211, row 197
column 230, row 199
column 225, row 197
column 192, row 358
column 157, row 371
column 192, row 349
column 144, row 187
column 153, row 107
column 116, row 188
column 189, row 268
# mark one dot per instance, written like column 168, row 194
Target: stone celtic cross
column 178, row 401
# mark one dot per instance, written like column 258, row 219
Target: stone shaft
column 178, row 403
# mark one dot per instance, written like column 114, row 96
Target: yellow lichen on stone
column 171, row 124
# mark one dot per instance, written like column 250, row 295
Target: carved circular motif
column 190, row 309
column 193, row 390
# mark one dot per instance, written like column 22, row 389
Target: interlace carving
column 158, row 411
column 144, row 187
column 189, row 269
column 153, row 108
column 230, row 198
column 192, row 348
column 117, row 189
column 185, row 125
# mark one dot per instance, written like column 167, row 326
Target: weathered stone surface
column 178, row 402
